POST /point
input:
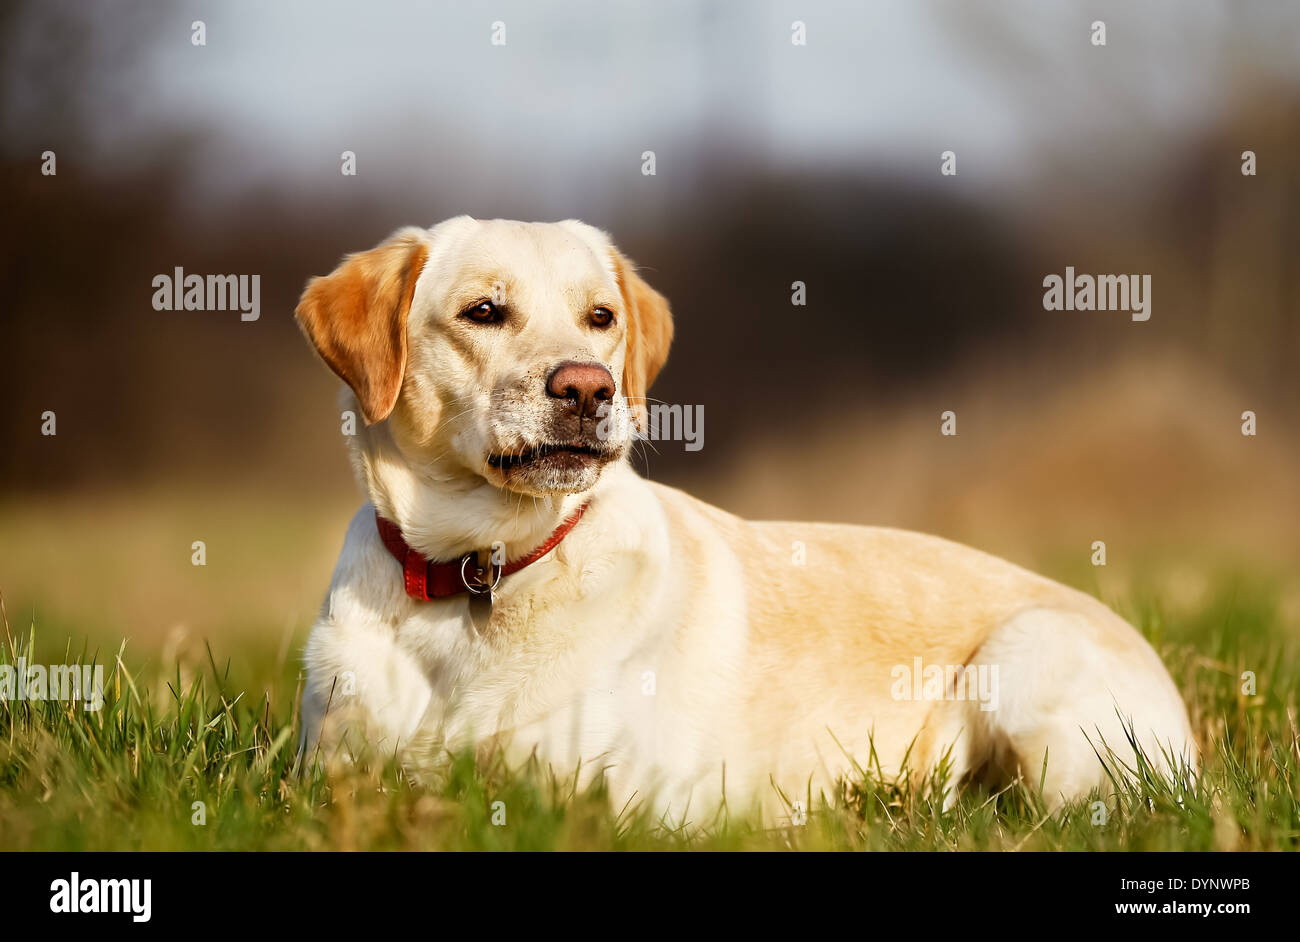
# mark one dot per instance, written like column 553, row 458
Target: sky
column 580, row 90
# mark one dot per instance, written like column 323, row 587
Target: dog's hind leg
column 1072, row 684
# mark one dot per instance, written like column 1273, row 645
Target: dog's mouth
column 575, row 455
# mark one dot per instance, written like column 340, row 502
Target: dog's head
column 522, row 352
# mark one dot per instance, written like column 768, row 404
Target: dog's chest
column 549, row 678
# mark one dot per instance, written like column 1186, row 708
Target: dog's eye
column 485, row 312
column 602, row 317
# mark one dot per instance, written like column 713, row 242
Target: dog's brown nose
column 584, row 386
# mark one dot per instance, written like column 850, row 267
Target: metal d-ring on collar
column 479, row 588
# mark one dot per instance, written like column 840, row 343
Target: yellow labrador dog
column 513, row 580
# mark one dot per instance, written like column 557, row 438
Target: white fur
column 664, row 643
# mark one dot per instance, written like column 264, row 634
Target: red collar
column 426, row 580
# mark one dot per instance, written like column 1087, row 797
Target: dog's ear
column 649, row 334
column 355, row 317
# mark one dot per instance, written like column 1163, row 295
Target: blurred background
column 775, row 163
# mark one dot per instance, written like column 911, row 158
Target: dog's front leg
column 363, row 691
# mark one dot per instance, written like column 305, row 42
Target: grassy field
column 222, row 732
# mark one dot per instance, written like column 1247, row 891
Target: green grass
column 223, row 732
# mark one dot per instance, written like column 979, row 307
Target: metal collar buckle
column 479, row 586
